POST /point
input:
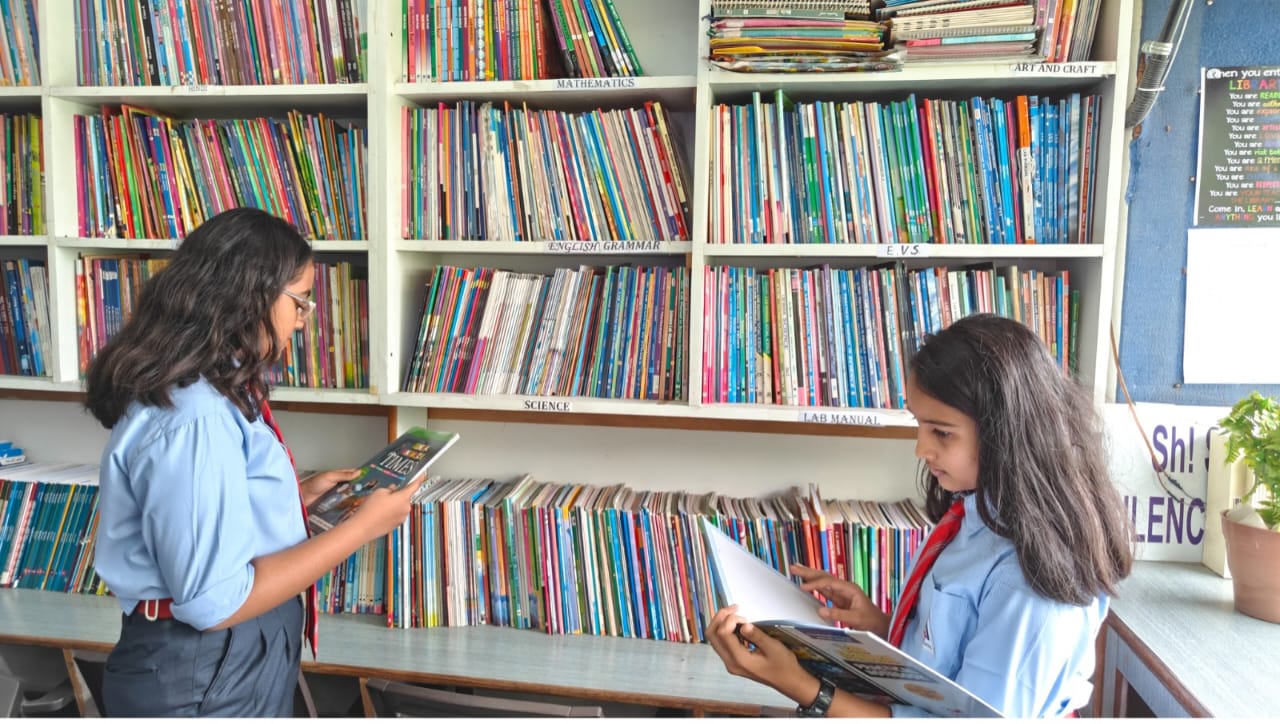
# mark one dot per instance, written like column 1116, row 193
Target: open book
column 400, row 463
column 858, row 662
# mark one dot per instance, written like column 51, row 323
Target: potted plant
column 1252, row 528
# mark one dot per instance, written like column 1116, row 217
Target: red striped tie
column 311, row 622
column 942, row 534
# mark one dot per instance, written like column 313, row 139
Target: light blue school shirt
column 189, row 496
column 979, row 622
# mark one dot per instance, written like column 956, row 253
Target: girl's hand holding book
column 384, row 509
column 749, row 652
column 849, row 605
column 320, row 483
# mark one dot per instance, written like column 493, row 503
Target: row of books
column 231, row 42
column 332, row 349
column 25, row 329
column 358, row 584
column 609, row 560
column 145, row 175
column 21, row 174
column 468, row 40
column 484, row 171
column 48, row 522
column 842, row 337
column 984, row 171
column 107, row 288
column 613, row 332
column 19, row 44
column 48, row 517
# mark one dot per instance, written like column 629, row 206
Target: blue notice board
column 1161, row 197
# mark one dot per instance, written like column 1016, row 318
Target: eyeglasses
column 305, row 306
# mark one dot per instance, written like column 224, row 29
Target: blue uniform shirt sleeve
column 192, row 484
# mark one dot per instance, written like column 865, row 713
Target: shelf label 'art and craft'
column 1238, row 183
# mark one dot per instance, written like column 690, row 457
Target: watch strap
column 821, row 703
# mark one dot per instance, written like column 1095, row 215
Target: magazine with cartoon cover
column 400, row 463
column 856, row 661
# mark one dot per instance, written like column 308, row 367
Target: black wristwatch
column 826, row 692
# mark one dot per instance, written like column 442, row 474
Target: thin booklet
column 401, row 463
column 858, row 662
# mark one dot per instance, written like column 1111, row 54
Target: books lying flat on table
column 401, row 463
column 858, row 662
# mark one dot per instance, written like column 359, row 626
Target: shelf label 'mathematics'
column 594, row 83
column 827, row 417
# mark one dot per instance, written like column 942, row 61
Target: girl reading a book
column 201, row 532
column 1008, row 592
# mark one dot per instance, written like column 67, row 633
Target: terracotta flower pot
column 1253, row 554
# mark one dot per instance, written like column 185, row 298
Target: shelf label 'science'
column 538, row 405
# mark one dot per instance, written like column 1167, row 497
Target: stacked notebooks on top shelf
column 613, row 561
column 763, row 36
column 852, row 35
column 1055, row 31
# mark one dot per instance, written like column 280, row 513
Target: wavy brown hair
column 203, row 315
column 1042, row 472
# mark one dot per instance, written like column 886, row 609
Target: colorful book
column 403, row 462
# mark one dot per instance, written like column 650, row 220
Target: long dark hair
column 203, row 315
column 1042, row 473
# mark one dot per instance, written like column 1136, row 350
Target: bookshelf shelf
column 920, row 253
column 594, row 406
column 94, row 243
column 564, row 248
column 225, row 99
column 669, row 37
column 37, row 384
column 322, row 396
column 946, row 79
column 19, row 240
column 572, row 93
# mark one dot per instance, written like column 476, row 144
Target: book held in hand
column 401, row 463
column 858, row 662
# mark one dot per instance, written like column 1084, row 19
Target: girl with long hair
column 1029, row 543
column 201, row 534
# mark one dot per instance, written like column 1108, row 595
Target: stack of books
column 1055, row 31
column 798, row 35
column 954, row 30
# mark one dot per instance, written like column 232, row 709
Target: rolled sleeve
column 197, row 522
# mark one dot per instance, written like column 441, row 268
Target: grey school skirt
column 169, row 669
